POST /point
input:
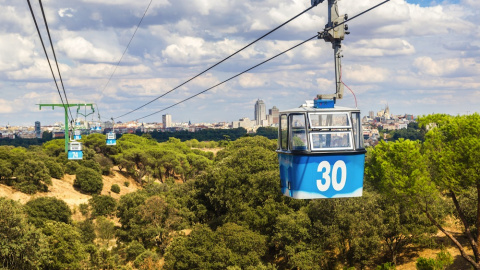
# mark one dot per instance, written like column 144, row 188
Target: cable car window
column 329, row 120
column 298, row 132
column 357, row 130
column 331, row 141
column 283, row 132
column 75, row 146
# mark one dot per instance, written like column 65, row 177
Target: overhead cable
column 269, row 59
column 126, row 48
column 54, row 56
column 45, row 51
column 218, row 84
column 199, row 74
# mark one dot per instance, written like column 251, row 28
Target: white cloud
column 444, row 67
column 381, row 47
column 66, row 12
column 79, row 48
column 365, row 74
column 16, row 51
column 5, row 106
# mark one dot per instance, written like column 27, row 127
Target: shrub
column 88, row 181
column 84, row 208
column 126, row 183
column 32, row 176
column 115, row 188
column 55, row 169
column 87, row 231
column 102, row 205
column 105, row 164
column 71, row 167
column 42, row 209
column 134, row 249
column 92, row 164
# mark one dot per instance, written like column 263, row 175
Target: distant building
column 260, row 112
column 167, row 121
column 245, row 123
column 38, row 129
column 273, row 113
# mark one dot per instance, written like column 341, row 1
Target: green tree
column 67, row 250
column 5, row 170
column 88, row 180
column 154, row 221
column 32, row 176
column 346, row 232
column 231, row 245
column 453, row 150
column 243, row 186
column 102, row 205
column 22, row 245
column 105, row 229
column 71, row 167
column 87, row 231
column 54, row 148
column 55, row 169
column 42, row 209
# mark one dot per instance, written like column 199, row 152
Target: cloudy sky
column 418, row 57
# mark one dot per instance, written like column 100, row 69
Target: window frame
column 330, row 113
column 291, row 129
column 349, row 132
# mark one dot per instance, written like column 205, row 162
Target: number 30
column 324, row 168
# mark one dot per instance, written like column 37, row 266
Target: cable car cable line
column 263, row 62
column 218, row 63
column 218, row 84
column 46, row 54
column 128, row 45
column 54, row 55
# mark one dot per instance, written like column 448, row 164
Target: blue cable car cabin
column 111, row 138
column 75, row 150
column 321, row 152
column 77, row 135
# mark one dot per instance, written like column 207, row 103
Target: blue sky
column 427, row 3
column 418, row 57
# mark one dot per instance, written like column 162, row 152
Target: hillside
column 63, row 189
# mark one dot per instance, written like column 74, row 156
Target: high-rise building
column 167, row 120
column 38, row 129
column 274, row 112
column 260, row 112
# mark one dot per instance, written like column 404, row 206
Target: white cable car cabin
column 111, row 138
column 321, row 152
column 75, row 150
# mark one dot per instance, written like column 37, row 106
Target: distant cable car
column 321, row 152
column 77, row 135
column 75, row 150
column 111, row 138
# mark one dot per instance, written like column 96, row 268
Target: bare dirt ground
column 459, row 263
column 63, row 189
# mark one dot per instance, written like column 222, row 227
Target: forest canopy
column 196, row 209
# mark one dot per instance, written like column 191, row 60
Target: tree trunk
column 477, row 254
column 470, row 238
column 455, row 241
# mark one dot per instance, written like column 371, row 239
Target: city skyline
column 387, row 57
